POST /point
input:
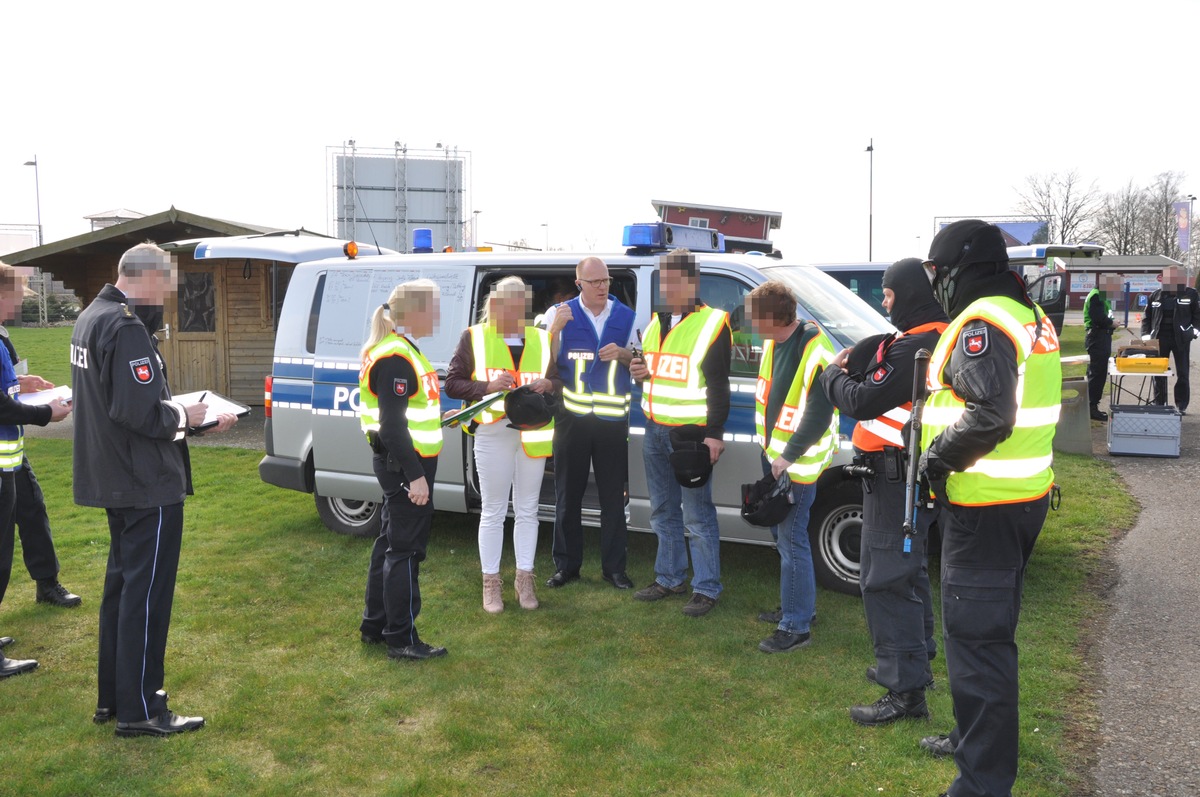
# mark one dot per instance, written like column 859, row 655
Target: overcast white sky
column 578, row 118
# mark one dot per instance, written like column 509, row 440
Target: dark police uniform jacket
column 129, row 450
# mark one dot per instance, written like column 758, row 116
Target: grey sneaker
column 656, row 592
column 699, row 605
column 939, row 746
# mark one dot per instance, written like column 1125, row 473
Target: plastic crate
column 1141, row 431
column 1142, row 365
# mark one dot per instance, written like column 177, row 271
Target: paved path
column 1150, row 728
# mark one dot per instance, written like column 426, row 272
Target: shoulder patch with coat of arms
column 400, row 387
column 881, row 373
column 143, row 373
column 975, row 340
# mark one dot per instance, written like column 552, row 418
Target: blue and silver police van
column 313, row 440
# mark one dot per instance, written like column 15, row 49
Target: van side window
column 314, row 315
column 729, row 294
column 550, row 288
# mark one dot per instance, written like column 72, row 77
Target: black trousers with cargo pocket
column 984, row 553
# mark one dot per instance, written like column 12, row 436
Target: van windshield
column 845, row 317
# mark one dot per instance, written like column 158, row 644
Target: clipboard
column 469, row 412
column 217, row 405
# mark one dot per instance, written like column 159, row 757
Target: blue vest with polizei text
column 580, row 348
column 11, row 436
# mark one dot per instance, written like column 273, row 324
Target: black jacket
column 129, row 450
column 1183, row 309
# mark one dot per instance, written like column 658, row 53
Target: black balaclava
column 151, row 315
column 914, row 303
column 966, row 254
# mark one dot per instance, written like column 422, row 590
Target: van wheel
column 835, row 534
column 345, row 516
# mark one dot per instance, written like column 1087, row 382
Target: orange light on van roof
column 350, row 249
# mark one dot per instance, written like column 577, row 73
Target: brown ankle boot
column 493, row 603
column 524, row 585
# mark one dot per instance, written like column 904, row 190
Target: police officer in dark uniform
column 1099, row 323
column 131, row 459
column 13, row 416
column 1173, row 318
column 995, row 384
column 874, row 382
column 401, row 416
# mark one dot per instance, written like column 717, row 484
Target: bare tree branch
column 1067, row 206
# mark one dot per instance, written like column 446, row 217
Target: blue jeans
column 674, row 509
column 797, row 584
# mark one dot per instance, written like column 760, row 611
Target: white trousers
column 503, row 466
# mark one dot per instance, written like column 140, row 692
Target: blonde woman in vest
column 502, row 352
column 401, row 414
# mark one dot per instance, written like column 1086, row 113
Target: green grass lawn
column 592, row 694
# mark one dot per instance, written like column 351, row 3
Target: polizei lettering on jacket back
column 79, row 356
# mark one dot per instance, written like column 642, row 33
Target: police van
column 314, row 443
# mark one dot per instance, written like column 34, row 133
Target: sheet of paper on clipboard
column 216, row 403
column 467, row 413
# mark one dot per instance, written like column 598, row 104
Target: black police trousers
column 1098, row 344
column 8, row 499
column 583, row 443
column 1181, row 356
column 984, row 553
column 135, row 610
column 393, row 596
column 896, row 595
column 32, row 524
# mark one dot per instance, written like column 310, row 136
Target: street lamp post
column 475, row 229
column 547, row 226
column 871, row 201
column 37, row 187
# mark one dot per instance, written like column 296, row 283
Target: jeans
column 797, row 583
column 674, row 509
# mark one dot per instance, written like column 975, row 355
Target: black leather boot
column 891, row 707
column 1098, row 414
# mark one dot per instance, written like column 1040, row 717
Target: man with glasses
column 590, row 339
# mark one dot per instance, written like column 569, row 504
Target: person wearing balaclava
column 873, row 381
column 995, row 390
column 1173, row 318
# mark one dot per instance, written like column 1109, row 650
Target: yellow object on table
column 1142, row 365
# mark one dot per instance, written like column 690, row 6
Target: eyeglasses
column 597, row 283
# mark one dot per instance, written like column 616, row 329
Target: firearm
column 914, row 448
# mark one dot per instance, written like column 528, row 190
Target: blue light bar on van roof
column 661, row 235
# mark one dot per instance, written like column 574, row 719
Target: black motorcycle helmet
column 527, row 410
column 767, row 501
column 690, row 458
column 960, row 252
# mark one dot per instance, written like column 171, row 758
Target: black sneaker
column 774, row 618
column 784, row 642
column 891, row 707
column 50, row 591
column 419, row 651
column 698, row 605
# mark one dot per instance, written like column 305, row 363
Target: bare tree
column 1121, row 223
column 1162, row 231
column 1068, row 207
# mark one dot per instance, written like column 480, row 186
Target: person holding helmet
column 1173, row 319
column 401, row 417
column 685, row 395
column 873, row 381
column 797, row 429
column 501, row 353
column 590, row 335
column 995, row 385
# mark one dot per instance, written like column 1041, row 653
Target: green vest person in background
column 401, row 415
column 995, row 386
column 685, row 395
column 797, row 428
column 1099, row 323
